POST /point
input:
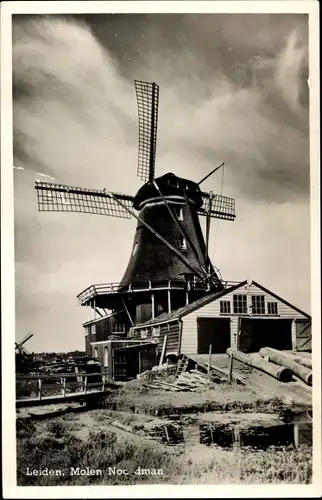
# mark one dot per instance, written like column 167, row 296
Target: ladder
column 182, row 365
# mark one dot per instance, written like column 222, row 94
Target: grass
column 136, row 397
column 54, row 445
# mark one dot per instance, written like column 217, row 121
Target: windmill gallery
column 172, row 302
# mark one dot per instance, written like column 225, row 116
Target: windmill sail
column 148, row 102
column 222, row 207
column 62, row 198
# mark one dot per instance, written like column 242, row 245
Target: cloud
column 231, row 89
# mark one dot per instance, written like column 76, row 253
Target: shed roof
column 182, row 311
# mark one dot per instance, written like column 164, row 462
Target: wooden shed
column 123, row 359
column 245, row 316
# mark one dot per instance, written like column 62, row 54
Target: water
column 228, row 435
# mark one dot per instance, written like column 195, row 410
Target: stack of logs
column 279, row 364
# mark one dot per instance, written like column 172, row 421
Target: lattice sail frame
column 62, row 198
column 147, row 95
column 222, row 207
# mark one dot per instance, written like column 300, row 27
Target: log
column 282, row 359
column 299, row 359
column 279, row 372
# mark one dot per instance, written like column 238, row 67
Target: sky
column 233, row 89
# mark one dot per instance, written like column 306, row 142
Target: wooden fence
column 43, row 389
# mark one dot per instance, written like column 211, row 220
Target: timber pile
column 279, row 372
column 186, row 381
column 278, row 364
column 280, row 358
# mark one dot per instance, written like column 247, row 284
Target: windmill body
column 150, row 259
column 169, row 265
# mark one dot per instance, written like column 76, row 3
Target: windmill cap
column 170, row 185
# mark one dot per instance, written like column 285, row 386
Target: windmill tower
column 169, row 265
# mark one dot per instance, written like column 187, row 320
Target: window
column 93, row 329
column 224, row 307
column 144, row 333
column 178, row 212
column 258, row 304
column 118, row 328
column 272, row 308
column 182, row 244
column 240, row 304
column 156, row 331
column 95, row 352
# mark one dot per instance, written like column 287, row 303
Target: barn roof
column 182, row 311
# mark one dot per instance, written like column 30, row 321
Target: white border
column 10, row 490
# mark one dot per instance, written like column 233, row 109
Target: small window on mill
column 272, row 308
column 144, row 333
column 118, row 328
column 258, row 304
column 240, row 304
column 182, row 244
column 156, row 331
column 224, row 307
column 178, row 212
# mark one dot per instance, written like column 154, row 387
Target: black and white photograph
column 163, row 242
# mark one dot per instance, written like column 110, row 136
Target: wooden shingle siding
column 172, row 332
column 189, row 329
column 170, row 329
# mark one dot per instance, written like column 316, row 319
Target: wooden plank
column 163, row 350
column 165, row 384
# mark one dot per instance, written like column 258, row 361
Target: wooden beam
column 153, row 305
column 163, row 349
column 127, row 311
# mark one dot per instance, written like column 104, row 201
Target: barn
column 245, row 316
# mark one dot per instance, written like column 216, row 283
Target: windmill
column 19, row 346
column 169, row 264
column 22, row 354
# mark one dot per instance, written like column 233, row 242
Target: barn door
column 303, row 335
column 245, row 334
column 214, row 332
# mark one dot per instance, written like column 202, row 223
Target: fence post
column 139, row 362
column 209, row 360
column 39, row 388
column 63, row 381
column 230, row 375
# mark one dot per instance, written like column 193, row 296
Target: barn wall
column 189, row 329
column 171, row 329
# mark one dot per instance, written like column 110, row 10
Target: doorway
column 257, row 333
column 214, row 332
